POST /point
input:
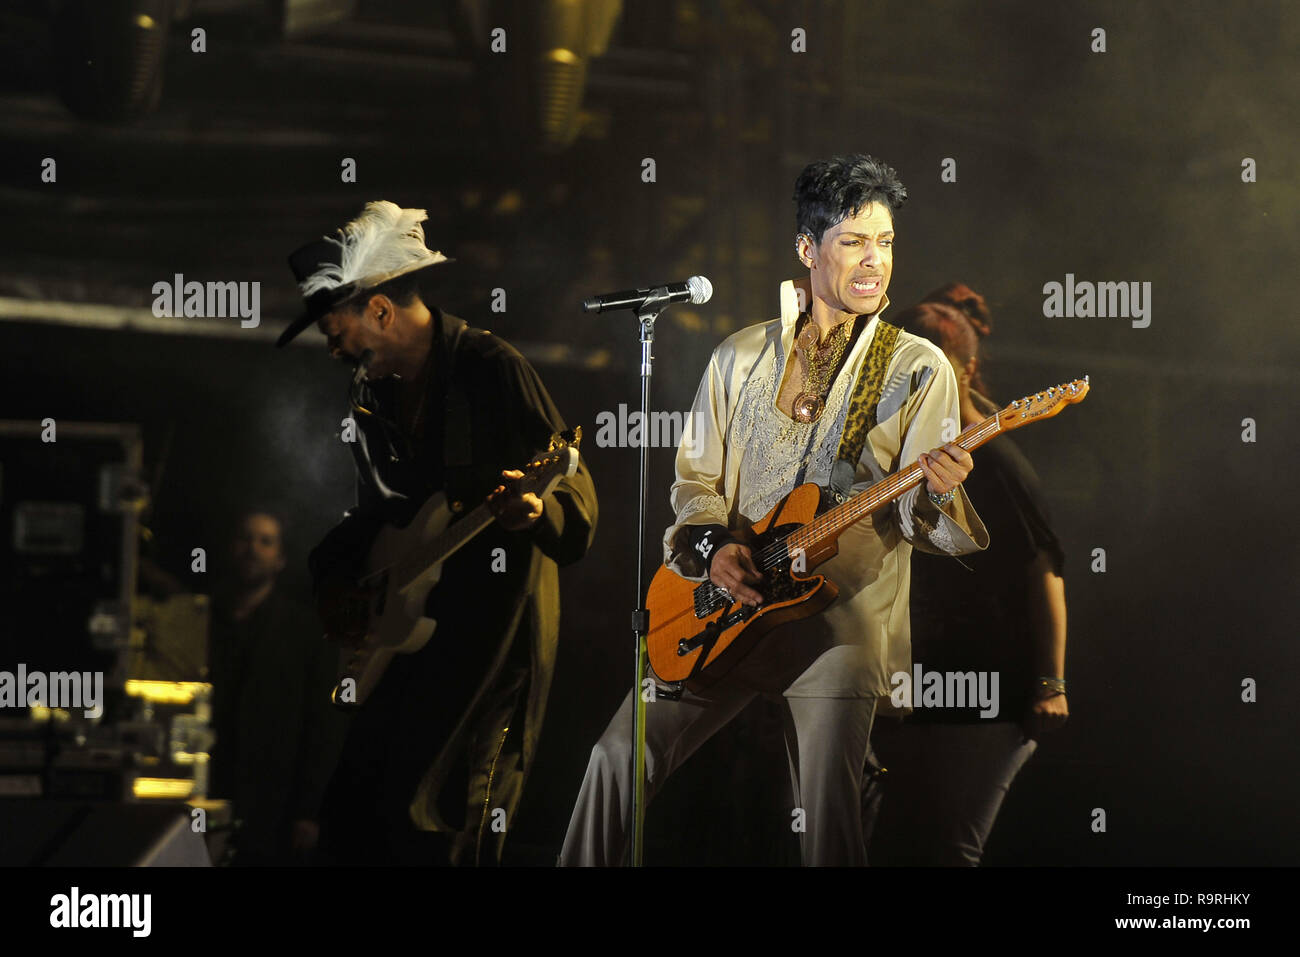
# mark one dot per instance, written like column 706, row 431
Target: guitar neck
column 454, row 536
column 539, row 477
column 825, row 528
column 441, row 547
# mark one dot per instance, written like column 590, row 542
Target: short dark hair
column 403, row 290
column 830, row 191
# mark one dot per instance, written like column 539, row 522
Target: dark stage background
column 1123, row 165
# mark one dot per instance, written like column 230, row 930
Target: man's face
column 350, row 332
column 851, row 266
column 256, row 551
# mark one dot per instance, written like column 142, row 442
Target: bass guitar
column 404, row 565
column 698, row 632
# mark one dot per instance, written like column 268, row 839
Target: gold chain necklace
column 817, row 361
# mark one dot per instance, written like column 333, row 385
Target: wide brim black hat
column 382, row 228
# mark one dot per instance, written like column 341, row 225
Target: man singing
column 770, row 414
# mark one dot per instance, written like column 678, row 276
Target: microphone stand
column 646, row 314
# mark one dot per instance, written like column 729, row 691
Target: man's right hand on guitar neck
column 733, row 568
column 344, row 609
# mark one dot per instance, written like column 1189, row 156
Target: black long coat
column 416, row 748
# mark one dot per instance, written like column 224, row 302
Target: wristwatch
column 941, row 500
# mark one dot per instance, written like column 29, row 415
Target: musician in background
column 277, row 737
column 769, row 415
column 435, row 764
column 1003, row 612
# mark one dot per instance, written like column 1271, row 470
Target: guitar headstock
column 1042, row 405
column 568, row 437
column 560, row 460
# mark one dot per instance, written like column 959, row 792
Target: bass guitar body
column 698, row 633
column 405, row 564
column 398, row 625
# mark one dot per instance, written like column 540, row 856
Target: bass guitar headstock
column 560, row 460
column 1042, row 405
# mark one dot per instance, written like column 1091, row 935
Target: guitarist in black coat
column 437, row 757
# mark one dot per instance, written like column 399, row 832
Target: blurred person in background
column 1000, row 610
column 277, row 736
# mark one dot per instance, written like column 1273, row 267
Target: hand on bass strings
column 514, row 512
column 733, row 569
column 945, row 468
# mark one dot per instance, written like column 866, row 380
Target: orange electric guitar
column 698, row 632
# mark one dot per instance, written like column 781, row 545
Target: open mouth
column 865, row 287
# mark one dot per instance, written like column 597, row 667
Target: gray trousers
column 946, row 785
column 826, row 741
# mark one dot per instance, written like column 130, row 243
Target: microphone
column 697, row 289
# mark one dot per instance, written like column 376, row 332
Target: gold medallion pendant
column 808, row 407
column 818, row 360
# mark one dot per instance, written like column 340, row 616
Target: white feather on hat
column 380, row 244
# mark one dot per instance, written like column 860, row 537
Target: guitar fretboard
column 445, row 544
column 827, row 527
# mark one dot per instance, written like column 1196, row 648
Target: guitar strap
column 861, row 417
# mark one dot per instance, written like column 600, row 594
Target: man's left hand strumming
column 514, row 512
column 945, row 468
